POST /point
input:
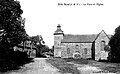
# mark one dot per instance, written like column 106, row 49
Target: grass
column 111, row 67
column 77, row 61
column 106, row 66
column 63, row 66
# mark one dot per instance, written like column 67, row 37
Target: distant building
column 80, row 46
column 27, row 47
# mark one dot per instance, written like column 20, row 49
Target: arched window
column 102, row 45
column 68, row 50
column 85, row 51
column 77, row 46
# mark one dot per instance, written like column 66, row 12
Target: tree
column 114, row 43
column 52, row 49
column 11, row 24
column 39, row 43
column 45, row 48
column 12, row 33
column 37, row 39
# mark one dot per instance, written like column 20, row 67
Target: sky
column 43, row 16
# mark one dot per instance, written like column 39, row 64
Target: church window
column 102, row 45
column 77, row 47
column 68, row 50
column 85, row 51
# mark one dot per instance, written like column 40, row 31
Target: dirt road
column 40, row 66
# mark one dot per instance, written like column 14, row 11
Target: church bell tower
column 58, row 36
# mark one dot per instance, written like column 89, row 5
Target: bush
column 12, row 33
column 13, row 60
column 114, row 43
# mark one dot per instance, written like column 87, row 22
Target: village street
column 41, row 66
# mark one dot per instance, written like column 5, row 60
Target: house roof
column 68, row 38
column 21, row 46
column 26, row 46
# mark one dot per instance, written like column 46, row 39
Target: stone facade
column 100, row 42
column 80, row 46
column 69, row 49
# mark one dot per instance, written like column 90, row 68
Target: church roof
column 58, row 31
column 88, row 38
column 69, row 38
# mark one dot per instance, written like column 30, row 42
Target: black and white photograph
column 59, row 37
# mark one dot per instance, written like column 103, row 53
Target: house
column 81, row 46
column 27, row 47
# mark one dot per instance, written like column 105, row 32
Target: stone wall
column 76, row 47
column 102, row 37
column 57, row 51
column 57, row 45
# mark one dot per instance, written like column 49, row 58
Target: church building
column 90, row 46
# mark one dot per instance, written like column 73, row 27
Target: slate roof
column 88, row 38
column 26, row 46
column 58, row 31
column 69, row 38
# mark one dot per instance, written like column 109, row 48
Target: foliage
column 107, row 48
column 40, row 44
column 45, row 48
column 12, row 33
column 114, row 43
column 10, row 60
column 52, row 49
column 37, row 41
column 11, row 23
column 42, row 49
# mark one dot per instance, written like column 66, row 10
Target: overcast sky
column 43, row 16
